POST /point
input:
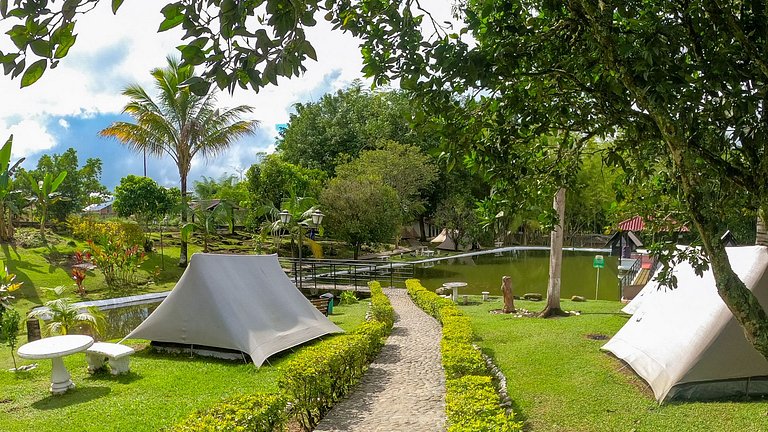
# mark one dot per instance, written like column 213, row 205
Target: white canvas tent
column 685, row 342
column 445, row 242
column 238, row 302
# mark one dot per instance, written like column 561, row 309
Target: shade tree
column 360, row 211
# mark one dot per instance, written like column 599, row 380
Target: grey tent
column 239, row 302
column 686, row 343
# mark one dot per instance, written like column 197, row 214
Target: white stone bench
column 117, row 354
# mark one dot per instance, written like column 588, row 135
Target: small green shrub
column 457, row 328
column 472, row 405
column 260, row 412
column 347, row 298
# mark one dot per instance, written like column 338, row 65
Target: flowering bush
column 100, row 232
column 118, row 262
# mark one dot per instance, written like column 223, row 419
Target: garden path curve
column 404, row 389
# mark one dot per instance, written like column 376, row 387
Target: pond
column 123, row 319
column 529, row 270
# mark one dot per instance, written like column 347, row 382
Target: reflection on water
column 122, row 320
column 529, row 271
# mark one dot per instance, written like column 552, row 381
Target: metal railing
column 340, row 274
column 629, row 275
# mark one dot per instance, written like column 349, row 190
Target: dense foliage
column 258, row 412
column 81, row 187
column 143, row 198
column 361, row 211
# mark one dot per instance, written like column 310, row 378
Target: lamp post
column 316, row 220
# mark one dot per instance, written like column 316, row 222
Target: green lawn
column 47, row 267
column 160, row 390
column 561, row 381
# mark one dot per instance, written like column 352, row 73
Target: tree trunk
column 183, row 247
column 555, row 259
column 422, row 232
column 356, row 251
column 761, row 230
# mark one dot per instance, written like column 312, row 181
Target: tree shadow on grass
column 78, row 395
column 17, row 266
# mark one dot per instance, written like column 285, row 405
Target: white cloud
column 30, row 136
column 63, row 123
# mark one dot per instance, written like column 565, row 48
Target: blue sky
column 71, row 103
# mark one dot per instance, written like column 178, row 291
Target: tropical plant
column 6, row 188
column 180, row 124
column 300, row 210
column 7, row 286
column 44, row 194
column 9, row 330
column 62, row 316
column 118, row 261
column 81, row 187
column 205, row 220
column 347, row 298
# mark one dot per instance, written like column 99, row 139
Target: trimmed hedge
column 260, row 412
column 322, row 374
column 472, row 405
column 310, row 383
column 472, row 402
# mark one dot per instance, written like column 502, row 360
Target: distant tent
column 686, row 343
column 445, row 242
column 237, row 302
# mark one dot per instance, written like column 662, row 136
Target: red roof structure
column 637, row 223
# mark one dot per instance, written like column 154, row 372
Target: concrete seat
column 118, row 356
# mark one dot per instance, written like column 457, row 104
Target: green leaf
column 34, row 72
column 41, row 47
column 4, row 8
column 116, row 5
column 309, row 50
column 170, row 23
column 57, row 182
column 186, row 231
column 64, row 45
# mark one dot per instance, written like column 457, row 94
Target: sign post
column 598, row 263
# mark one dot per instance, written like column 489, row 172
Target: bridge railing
column 331, row 274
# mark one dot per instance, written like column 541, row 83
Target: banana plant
column 45, row 194
column 6, row 190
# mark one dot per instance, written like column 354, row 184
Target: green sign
column 598, row 262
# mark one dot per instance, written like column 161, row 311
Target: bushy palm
column 179, row 123
column 62, row 316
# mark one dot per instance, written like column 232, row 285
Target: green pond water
column 529, row 270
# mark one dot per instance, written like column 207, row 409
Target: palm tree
column 63, row 316
column 180, row 124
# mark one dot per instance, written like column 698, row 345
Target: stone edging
column 499, row 380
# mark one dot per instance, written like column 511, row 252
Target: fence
column 342, row 274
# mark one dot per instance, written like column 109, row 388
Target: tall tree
column 180, row 124
column 404, row 168
column 335, row 129
column 275, row 180
column 360, row 211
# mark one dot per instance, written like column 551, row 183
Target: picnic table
column 55, row 348
column 455, row 287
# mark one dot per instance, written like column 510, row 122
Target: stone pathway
column 404, row 389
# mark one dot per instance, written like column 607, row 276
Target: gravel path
column 404, row 389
